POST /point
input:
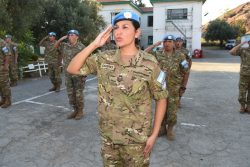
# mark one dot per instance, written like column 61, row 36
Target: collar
column 135, row 61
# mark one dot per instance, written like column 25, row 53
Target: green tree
column 220, row 30
column 62, row 15
column 139, row 3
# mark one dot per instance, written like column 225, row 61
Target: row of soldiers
column 8, row 69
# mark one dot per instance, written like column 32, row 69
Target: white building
column 176, row 17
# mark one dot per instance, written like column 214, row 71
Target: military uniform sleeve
column 239, row 51
column 6, row 50
column 90, row 66
column 183, row 63
column 157, row 84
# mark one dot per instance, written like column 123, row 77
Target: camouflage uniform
column 5, row 90
column 109, row 46
column 124, row 104
column 244, row 83
column 171, row 64
column 13, row 65
column 52, row 57
column 74, row 83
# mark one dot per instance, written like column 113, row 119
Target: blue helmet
column 8, row 36
column 179, row 38
column 169, row 37
column 126, row 15
column 52, row 34
column 73, row 32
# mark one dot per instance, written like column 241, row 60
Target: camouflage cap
column 126, row 15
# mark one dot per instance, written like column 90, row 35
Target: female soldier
column 127, row 80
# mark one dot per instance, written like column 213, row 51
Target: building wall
column 146, row 31
column 190, row 27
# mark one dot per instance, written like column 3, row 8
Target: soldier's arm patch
column 5, row 49
column 161, row 77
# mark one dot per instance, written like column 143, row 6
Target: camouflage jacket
column 108, row 46
column 51, row 54
column 186, row 53
column 244, row 54
column 68, row 51
column 172, row 65
column 125, row 94
column 5, row 51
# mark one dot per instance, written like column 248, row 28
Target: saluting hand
column 64, row 37
column 103, row 37
column 158, row 43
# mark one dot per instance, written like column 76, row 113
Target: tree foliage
column 220, row 30
column 62, row 15
column 30, row 20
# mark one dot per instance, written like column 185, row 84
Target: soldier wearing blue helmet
column 244, row 82
column 173, row 63
column 53, row 58
column 74, row 84
column 179, row 47
column 128, row 79
column 13, row 66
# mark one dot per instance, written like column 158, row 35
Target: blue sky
column 214, row 8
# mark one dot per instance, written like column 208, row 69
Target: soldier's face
column 8, row 40
column 52, row 38
column 178, row 43
column 72, row 38
column 169, row 45
column 125, row 33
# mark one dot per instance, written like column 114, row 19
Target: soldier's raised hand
column 103, row 37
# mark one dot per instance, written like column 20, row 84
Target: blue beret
column 179, row 38
column 169, row 37
column 73, row 32
column 52, row 34
column 126, row 15
column 8, row 36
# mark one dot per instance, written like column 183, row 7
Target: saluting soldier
column 128, row 79
column 175, row 65
column 13, row 74
column 52, row 57
column 74, row 83
column 179, row 47
column 244, row 82
column 5, row 90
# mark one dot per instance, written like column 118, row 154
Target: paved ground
column 210, row 132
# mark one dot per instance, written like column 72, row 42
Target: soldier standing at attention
column 244, row 83
column 108, row 45
column 13, row 60
column 175, row 65
column 179, row 47
column 128, row 79
column 5, row 90
column 74, row 83
column 52, row 57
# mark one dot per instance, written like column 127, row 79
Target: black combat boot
column 7, row 102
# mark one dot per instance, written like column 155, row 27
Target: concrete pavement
column 210, row 132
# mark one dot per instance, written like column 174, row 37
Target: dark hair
column 135, row 23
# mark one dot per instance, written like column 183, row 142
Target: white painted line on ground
column 51, row 105
column 45, row 94
column 192, row 125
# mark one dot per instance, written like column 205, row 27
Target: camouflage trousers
column 75, row 86
column 170, row 117
column 116, row 155
column 13, row 72
column 54, row 74
column 4, row 83
column 244, row 90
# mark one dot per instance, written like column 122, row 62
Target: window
column 176, row 14
column 150, row 40
column 150, row 21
